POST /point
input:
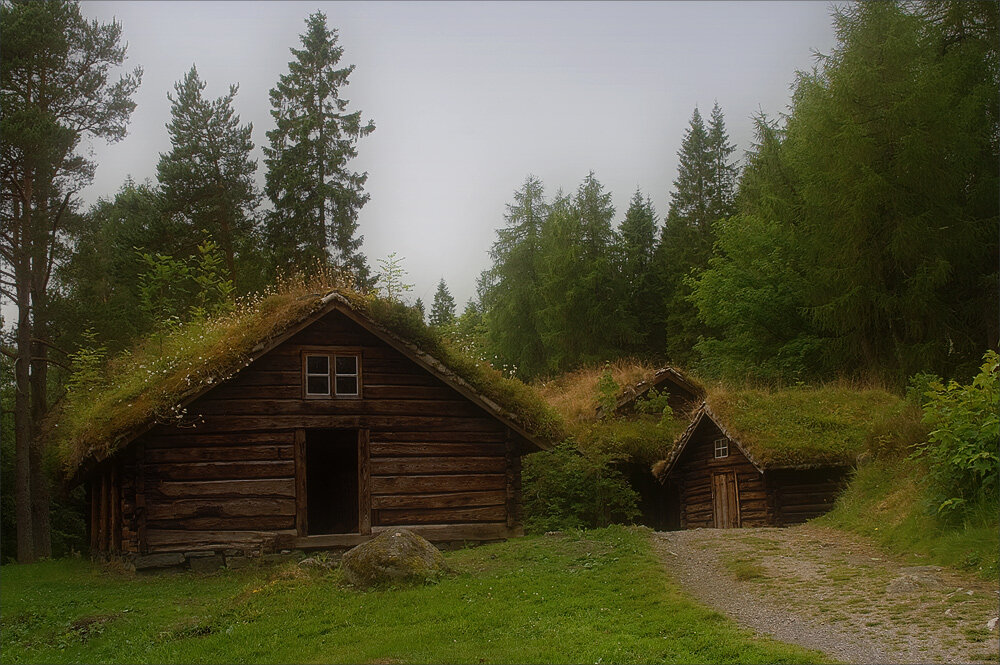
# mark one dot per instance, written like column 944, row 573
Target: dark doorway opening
column 659, row 504
column 332, row 481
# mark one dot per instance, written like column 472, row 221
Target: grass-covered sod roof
column 152, row 382
column 801, row 427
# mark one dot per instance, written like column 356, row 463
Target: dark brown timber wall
column 428, row 458
column 801, row 495
column 693, row 476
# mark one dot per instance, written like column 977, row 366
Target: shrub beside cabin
column 769, row 459
column 333, row 431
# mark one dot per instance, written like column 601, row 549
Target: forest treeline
column 856, row 237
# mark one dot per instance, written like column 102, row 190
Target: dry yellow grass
column 574, row 395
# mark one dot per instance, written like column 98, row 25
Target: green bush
column 564, row 488
column 961, row 447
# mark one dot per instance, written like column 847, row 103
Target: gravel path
column 828, row 590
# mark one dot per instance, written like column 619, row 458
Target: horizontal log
column 173, row 540
column 220, row 507
column 473, row 531
column 220, row 453
column 497, row 435
column 189, row 437
column 221, row 470
column 277, row 487
column 254, row 523
column 429, row 484
column 375, row 391
column 254, row 376
column 422, row 449
column 444, row 515
column 373, row 377
column 336, row 406
column 445, row 500
column 221, row 423
column 386, row 466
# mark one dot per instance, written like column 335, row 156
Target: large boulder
column 393, row 556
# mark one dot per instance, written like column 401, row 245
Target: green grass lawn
column 592, row 596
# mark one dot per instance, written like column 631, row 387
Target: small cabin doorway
column 725, row 500
column 332, row 470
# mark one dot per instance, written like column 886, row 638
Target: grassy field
column 885, row 502
column 594, row 596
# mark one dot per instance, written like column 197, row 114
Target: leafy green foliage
column 316, row 196
column 581, row 597
column 391, row 281
column 607, row 393
column 655, row 403
column 865, row 242
column 961, row 448
column 565, row 488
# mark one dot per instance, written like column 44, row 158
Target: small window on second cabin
column 721, row 448
column 332, row 375
column 346, row 381
column 317, row 375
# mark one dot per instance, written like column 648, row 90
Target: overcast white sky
column 470, row 98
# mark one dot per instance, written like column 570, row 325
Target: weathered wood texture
column 427, row 455
column 801, row 495
column 693, row 477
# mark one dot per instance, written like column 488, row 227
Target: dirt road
column 827, row 590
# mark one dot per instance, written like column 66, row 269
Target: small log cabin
column 332, row 432
column 683, row 393
column 711, row 479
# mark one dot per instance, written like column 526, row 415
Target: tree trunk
column 22, row 416
column 40, row 492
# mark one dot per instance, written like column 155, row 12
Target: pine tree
column 703, row 194
column 509, row 290
column 636, row 246
column 207, row 178
column 419, row 306
column 443, row 309
column 316, row 196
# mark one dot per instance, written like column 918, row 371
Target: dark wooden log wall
column 693, row 478
column 113, row 512
column 436, row 460
column 801, row 495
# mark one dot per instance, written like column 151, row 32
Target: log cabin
column 332, row 430
column 683, row 392
column 769, row 459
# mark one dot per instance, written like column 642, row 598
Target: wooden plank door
column 725, row 500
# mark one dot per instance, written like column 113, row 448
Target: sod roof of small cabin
column 152, row 383
column 793, row 428
column 665, row 379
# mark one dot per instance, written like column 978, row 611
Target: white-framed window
column 346, row 380
column 317, row 375
column 721, row 447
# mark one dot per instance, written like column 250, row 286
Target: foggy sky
column 470, row 98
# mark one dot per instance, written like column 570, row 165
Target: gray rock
column 276, row 558
column 165, row 560
column 320, row 564
column 398, row 555
column 206, row 564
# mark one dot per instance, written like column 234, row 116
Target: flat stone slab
column 164, row 560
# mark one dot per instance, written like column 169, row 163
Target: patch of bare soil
column 829, row 590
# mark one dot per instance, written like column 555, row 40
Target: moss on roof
column 807, row 426
column 149, row 383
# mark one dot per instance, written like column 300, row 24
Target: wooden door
column 725, row 500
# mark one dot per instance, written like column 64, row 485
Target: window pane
column 347, row 385
column 317, row 365
column 347, row 365
column 318, row 385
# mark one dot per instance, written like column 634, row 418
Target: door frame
column 364, row 484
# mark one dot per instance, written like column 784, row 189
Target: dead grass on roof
column 803, row 425
column 149, row 383
column 574, row 394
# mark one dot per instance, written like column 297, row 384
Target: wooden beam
column 102, row 539
column 301, row 507
column 509, row 486
column 140, row 497
column 364, row 482
column 116, row 508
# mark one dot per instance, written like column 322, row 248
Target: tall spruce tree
column 316, row 196
column 443, row 309
column 703, row 194
column 509, row 290
column 56, row 90
column 207, row 178
column 635, row 250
